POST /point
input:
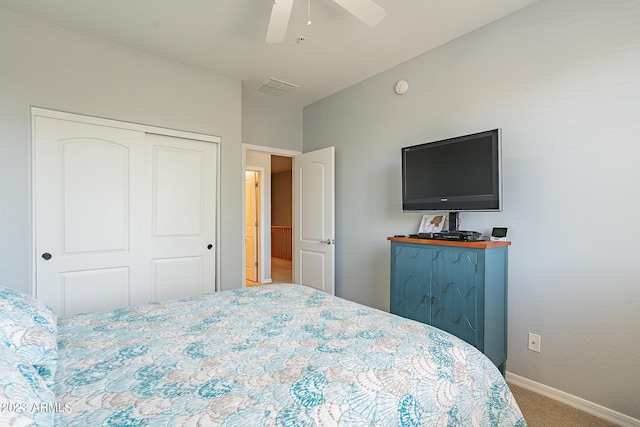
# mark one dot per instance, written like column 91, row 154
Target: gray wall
column 269, row 123
column 562, row 80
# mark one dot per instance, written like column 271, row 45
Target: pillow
column 29, row 327
column 25, row 400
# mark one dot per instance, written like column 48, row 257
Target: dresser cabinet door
column 455, row 288
column 411, row 277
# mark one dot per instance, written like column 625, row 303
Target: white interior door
column 251, row 224
column 182, row 201
column 314, row 218
column 121, row 216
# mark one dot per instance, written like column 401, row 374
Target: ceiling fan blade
column 279, row 21
column 365, row 10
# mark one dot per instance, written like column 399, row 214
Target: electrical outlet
column 534, row 342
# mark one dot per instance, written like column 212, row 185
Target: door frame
column 54, row 114
column 274, row 152
column 259, row 200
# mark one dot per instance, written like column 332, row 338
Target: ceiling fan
column 365, row 10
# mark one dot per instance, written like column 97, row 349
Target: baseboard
column 574, row 401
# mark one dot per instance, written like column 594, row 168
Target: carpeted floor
column 540, row 411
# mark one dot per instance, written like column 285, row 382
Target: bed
column 276, row 355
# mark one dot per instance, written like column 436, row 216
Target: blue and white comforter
column 279, row 355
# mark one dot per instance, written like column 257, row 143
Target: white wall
column 562, row 80
column 45, row 66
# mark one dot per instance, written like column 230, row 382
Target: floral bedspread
column 277, row 355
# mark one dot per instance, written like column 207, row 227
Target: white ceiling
column 228, row 36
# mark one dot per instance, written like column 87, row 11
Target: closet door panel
column 177, row 277
column 178, row 192
column 87, row 243
column 95, row 195
column 95, row 290
column 122, row 216
column 182, row 176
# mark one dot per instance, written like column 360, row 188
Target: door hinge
column 256, row 223
column 257, row 184
column 256, row 264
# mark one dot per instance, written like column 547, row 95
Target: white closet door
column 182, row 205
column 122, row 217
column 88, row 241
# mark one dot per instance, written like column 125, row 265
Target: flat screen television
column 455, row 174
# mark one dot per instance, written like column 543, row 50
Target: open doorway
column 272, row 202
column 281, row 219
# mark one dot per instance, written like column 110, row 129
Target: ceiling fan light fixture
column 280, row 13
column 365, row 10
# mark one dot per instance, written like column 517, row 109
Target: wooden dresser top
column 471, row 244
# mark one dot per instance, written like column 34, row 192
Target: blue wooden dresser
column 459, row 287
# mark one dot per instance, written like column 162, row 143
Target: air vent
column 275, row 87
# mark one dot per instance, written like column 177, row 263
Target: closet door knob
column 46, row 256
column 209, row 246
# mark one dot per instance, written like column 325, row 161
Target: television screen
column 455, row 174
